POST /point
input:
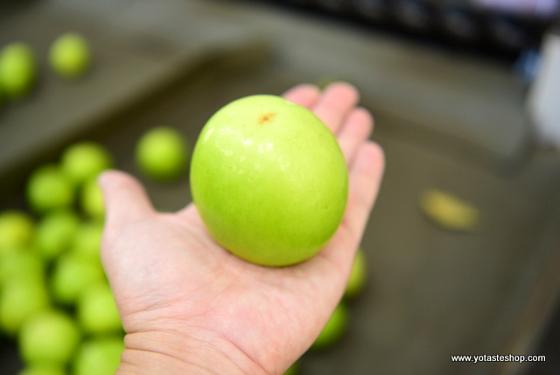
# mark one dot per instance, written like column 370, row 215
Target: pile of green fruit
column 54, row 297
column 69, row 57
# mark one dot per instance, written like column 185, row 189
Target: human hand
column 190, row 307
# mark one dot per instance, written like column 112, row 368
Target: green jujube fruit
column 293, row 369
column 70, row 55
column 334, row 329
column 43, row 370
column 18, row 70
column 72, row 275
column 87, row 242
column 85, row 161
column 269, row 180
column 97, row 310
column 92, row 200
column 50, row 337
column 99, row 356
column 49, row 189
column 24, row 264
column 56, row 233
column 162, row 154
column 20, row 299
column 16, row 230
column 357, row 279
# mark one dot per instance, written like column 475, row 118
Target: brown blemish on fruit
column 265, row 118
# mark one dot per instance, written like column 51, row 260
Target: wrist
column 173, row 353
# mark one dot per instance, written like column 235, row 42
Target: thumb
column 125, row 200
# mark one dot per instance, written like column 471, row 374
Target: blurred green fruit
column 87, row 242
column 69, row 55
column 92, row 199
column 357, row 279
column 269, row 180
column 43, row 370
column 19, row 300
column 84, row 161
column 17, row 69
column 293, row 369
column 24, row 264
column 8, row 250
column 72, row 275
column 162, row 154
column 16, row 229
column 48, row 188
column 49, row 337
column 334, row 329
column 97, row 310
column 56, row 233
column 99, row 357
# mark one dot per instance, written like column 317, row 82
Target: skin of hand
column 190, row 307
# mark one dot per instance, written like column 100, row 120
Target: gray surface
column 431, row 293
column 478, row 103
column 137, row 46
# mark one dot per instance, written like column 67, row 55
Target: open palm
column 182, row 296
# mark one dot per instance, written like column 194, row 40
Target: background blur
column 465, row 95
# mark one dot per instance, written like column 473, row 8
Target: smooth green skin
column 43, row 370
column 97, row 311
column 5, row 251
column 49, row 189
column 272, row 191
column 334, row 329
column 24, row 264
column 84, row 161
column 87, row 242
column 17, row 70
column 358, row 276
column 50, row 337
column 56, row 232
column 92, row 200
column 162, row 154
column 99, row 356
column 70, row 55
column 16, row 229
column 20, row 300
column 72, row 275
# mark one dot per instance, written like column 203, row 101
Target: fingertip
column 306, row 87
column 118, row 181
column 363, row 119
column 124, row 197
column 354, row 132
column 364, row 114
column 345, row 89
column 370, row 157
column 105, row 178
column 304, row 94
column 335, row 104
column 374, row 150
column 377, row 153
